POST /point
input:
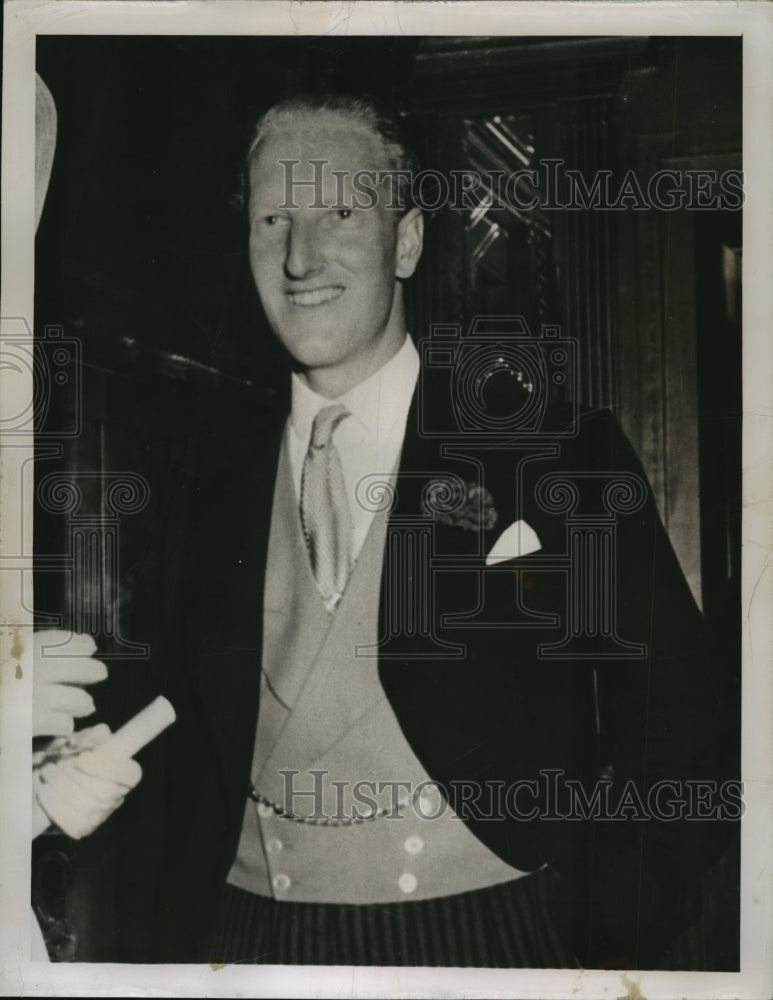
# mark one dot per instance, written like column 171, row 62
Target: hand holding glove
column 79, row 782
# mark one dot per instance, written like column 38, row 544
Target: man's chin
column 308, row 356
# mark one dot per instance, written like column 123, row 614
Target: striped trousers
column 511, row 925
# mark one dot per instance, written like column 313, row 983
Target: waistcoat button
column 281, row 882
column 413, row 845
column 274, row 846
column 407, row 882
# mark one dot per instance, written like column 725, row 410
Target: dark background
column 141, row 256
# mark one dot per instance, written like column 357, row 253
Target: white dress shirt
column 370, row 440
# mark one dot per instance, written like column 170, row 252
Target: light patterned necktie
column 325, row 514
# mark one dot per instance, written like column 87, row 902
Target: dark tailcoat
column 478, row 695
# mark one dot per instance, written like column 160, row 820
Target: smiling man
column 374, row 751
column 328, row 272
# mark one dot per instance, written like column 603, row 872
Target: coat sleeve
column 666, row 733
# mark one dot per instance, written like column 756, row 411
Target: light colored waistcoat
column 327, row 741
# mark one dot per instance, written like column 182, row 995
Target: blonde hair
column 360, row 111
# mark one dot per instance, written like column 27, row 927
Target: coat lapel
column 442, row 523
column 475, row 713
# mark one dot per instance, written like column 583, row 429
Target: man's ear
column 410, row 240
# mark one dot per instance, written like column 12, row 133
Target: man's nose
column 304, row 251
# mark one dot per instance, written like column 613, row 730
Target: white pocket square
column 518, row 540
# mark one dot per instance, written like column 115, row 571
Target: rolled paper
column 144, row 727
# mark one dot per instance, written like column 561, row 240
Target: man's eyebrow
column 264, row 200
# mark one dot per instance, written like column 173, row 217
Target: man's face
column 327, row 276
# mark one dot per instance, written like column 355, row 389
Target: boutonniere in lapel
column 453, row 502
column 457, row 504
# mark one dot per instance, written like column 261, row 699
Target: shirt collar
column 377, row 404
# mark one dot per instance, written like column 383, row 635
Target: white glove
column 61, row 663
column 80, row 789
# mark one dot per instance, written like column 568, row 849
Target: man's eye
column 343, row 213
column 272, row 220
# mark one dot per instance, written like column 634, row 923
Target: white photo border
column 24, row 20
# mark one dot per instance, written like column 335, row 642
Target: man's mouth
column 315, row 296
